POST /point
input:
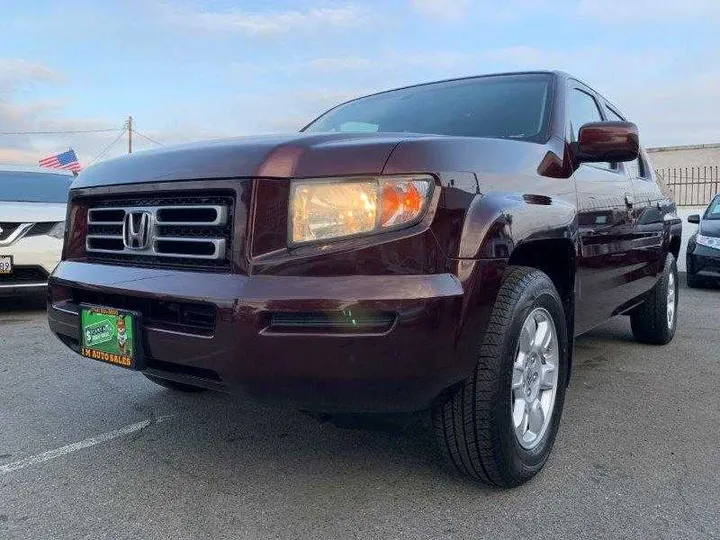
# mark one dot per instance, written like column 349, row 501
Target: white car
column 33, row 204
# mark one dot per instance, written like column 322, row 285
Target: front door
column 606, row 224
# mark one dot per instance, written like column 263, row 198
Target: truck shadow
column 229, row 441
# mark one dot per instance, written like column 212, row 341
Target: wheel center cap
column 531, row 379
column 534, row 385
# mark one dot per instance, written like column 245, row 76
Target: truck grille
column 172, row 231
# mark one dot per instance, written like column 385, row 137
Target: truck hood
column 31, row 212
column 279, row 156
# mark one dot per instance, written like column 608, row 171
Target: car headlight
column 708, row 241
column 58, row 230
column 329, row 209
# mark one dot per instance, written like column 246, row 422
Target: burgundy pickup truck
column 432, row 247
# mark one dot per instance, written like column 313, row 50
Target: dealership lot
column 637, row 455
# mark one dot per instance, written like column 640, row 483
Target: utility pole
column 130, row 132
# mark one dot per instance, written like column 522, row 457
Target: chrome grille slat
column 220, row 217
column 94, row 211
column 188, row 239
column 218, row 247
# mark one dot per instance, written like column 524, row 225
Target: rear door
column 648, row 210
column 606, row 222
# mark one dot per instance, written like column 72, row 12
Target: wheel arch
column 674, row 245
column 537, row 231
column 557, row 258
column 672, row 238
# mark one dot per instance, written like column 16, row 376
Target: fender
column 498, row 223
column 495, row 227
column 672, row 229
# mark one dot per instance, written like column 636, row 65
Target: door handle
column 629, row 200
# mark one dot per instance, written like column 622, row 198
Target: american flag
column 67, row 160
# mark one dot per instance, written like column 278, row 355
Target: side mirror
column 607, row 141
column 694, row 218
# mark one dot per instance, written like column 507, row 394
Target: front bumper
column 703, row 261
column 22, row 289
column 34, row 258
column 400, row 367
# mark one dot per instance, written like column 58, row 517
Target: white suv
column 33, row 203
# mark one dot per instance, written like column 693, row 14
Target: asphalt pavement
column 91, row 451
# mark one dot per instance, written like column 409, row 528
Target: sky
column 193, row 69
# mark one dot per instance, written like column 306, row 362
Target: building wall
column 690, row 175
column 704, row 155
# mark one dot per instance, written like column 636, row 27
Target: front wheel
column 499, row 425
column 655, row 320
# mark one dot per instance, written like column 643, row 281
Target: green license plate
column 109, row 335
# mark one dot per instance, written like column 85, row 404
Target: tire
column 651, row 322
column 174, row 385
column 474, row 423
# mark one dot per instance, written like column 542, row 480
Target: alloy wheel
column 671, row 291
column 534, row 378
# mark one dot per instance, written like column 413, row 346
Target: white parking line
column 74, row 447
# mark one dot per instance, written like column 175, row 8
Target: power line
column 126, row 128
column 58, row 132
column 148, row 138
column 109, row 146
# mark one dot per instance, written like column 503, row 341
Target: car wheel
column 499, row 425
column 655, row 320
column 174, row 385
column 692, row 281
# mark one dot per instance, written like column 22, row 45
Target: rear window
column 34, row 187
column 503, row 106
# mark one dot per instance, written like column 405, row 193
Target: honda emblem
column 137, row 230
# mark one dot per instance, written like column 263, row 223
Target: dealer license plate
column 109, row 335
column 6, row 264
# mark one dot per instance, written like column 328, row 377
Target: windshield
column 34, row 187
column 713, row 211
column 503, row 106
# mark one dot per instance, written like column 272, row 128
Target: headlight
column 58, row 230
column 708, row 241
column 325, row 209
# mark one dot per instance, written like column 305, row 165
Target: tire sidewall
column 523, row 462
column 649, row 320
column 670, row 268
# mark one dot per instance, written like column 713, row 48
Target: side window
column 584, row 109
column 615, row 117
column 637, row 168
